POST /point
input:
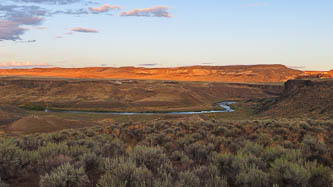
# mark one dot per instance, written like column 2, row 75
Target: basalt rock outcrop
column 303, row 98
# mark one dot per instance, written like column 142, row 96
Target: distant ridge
column 236, row 73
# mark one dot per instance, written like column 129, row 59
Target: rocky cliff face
column 255, row 73
column 312, row 98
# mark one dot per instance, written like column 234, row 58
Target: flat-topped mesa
column 238, row 73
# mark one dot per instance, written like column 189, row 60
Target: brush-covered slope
column 9, row 113
column 242, row 73
column 311, row 98
column 33, row 124
column 125, row 95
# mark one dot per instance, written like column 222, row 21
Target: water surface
column 225, row 107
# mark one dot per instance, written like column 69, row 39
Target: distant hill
column 240, row 73
column 317, row 74
column 303, row 97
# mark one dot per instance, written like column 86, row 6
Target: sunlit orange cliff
column 239, row 73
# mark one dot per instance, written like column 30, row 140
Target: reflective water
column 225, row 107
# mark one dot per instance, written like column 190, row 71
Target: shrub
column 305, row 125
column 272, row 153
column 320, row 175
column 223, row 162
column 76, row 151
column 124, row 172
column 243, row 161
column 198, row 152
column 53, row 161
column 90, row 161
column 313, row 149
column 180, row 160
column 189, row 179
column 165, row 180
column 253, row 148
column 252, row 177
column 31, row 142
column 209, row 177
column 232, row 165
column 3, row 184
column 112, row 148
column 65, row 176
column 286, row 173
column 153, row 158
column 57, row 137
column 88, row 142
column 52, row 149
column 12, row 160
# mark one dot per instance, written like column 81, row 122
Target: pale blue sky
column 296, row 33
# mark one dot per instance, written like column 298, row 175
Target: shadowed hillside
column 34, row 123
column 125, row 95
column 9, row 113
column 307, row 97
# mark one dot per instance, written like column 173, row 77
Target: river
column 225, row 107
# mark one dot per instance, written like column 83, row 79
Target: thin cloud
column 207, row 63
column 71, row 12
column 84, row 30
column 297, row 67
column 10, row 30
column 14, row 19
column 25, row 65
column 59, row 2
column 104, row 8
column 159, row 11
column 41, row 28
column 148, row 65
column 28, row 41
column 260, row 4
column 27, row 20
column 17, row 19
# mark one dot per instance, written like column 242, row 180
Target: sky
column 166, row 33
